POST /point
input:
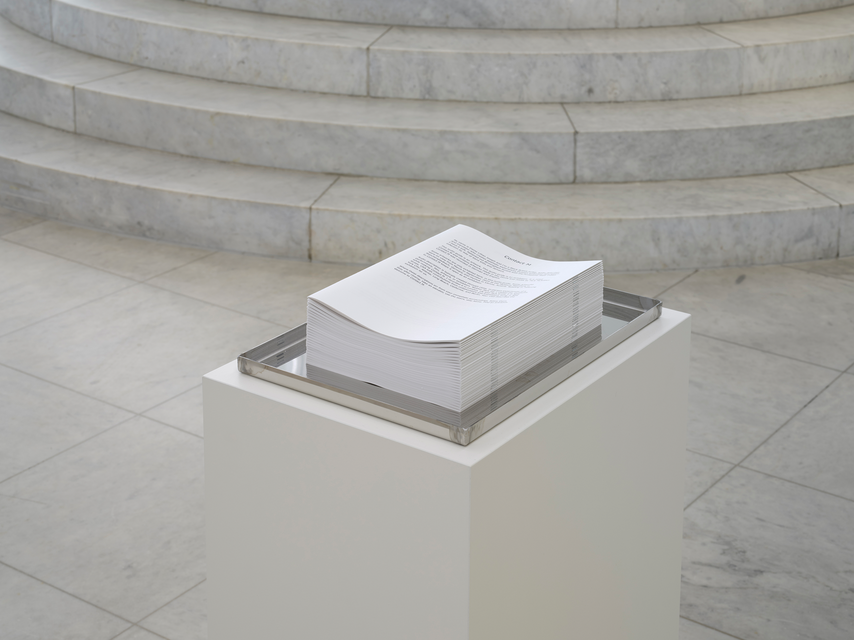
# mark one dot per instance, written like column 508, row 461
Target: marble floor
column 103, row 340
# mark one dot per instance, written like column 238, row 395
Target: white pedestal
column 563, row 522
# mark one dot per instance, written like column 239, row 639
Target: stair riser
column 306, row 146
column 36, row 99
column 442, row 64
column 738, row 151
column 554, row 78
column 249, row 60
column 32, row 15
column 146, row 211
column 628, row 244
column 547, row 14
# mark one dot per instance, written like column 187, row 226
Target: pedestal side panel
column 577, row 521
column 317, row 530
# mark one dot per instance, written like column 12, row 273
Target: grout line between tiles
column 82, row 304
column 676, row 283
column 706, row 455
column 68, row 593
column 809, row 186
column 183, row 593
column 171, row 426
column 59, row 453
column 770, row 353
column 818, row 273
column 771, row 435
column 712, row 628
column 311, row 216
column 368, row 61
column 800, row 484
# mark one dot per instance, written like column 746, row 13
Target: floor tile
column 11, row 220
column 34, row 610
column 267, row 288
column 648, row 283
column 117, row 521
column 739, row 396
column 185, row 618
column 817, row 447
column 35, row 286
column 692, row 631
column 135, row 633
column 40, row 419
column 765, row 558
column 777, row 309
column 183, row 412
column 839, row 268
column 701, row 472
column 135, row 258
column 136, row 348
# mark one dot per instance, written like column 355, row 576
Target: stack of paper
column 452, row 319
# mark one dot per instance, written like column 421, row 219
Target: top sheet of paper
column 445, row 288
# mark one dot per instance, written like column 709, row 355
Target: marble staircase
column 652, row 134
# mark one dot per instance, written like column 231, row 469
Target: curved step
column 603, row 65
column 453, row 141
column 724, row 222
column 544, row 14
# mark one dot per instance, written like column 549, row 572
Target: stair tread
column 499, row 65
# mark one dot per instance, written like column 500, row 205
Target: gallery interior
column 177, row 176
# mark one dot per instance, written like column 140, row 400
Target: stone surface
column 488, row 14
column 651, row 284
column 37, row 78
column 137, row 491
column 815, row 448
column 40, row 420
column 185, row 618
column 780, row 310
column 840, row 268
column 795, row 51
column 134, row 258
column 237, row 46
column 630, row 226
column 650, row 13
column 32, row 15
column 157, row 195
column 11, row 220
column 33, row 609
column 701, row 472
column 550, row 14
column 836, row 183
column 553, row 66
column 137, row 633
column 764, row 558
column 740, row 396
column 89, row 348
column 182, row 412
column 329, row 133
column 273, row 290
column 36, row 286
column 766, row 133
column 689, row 630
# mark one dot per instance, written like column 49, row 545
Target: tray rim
column 248, row 363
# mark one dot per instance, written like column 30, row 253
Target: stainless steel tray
column 282, row 361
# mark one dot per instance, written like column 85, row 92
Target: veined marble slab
column 31, row 15
column 328, row 133
column 553, row 66
column 222, row 44
column 715, row 137
column 735, row 221
column 159, row 195
column 479, row 14
column 655, row 13
column 37, row 78
column 836, row 183
column 797, row 51
column 550, row 14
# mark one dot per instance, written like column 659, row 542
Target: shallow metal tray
column 282, row 361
